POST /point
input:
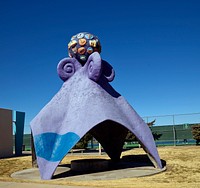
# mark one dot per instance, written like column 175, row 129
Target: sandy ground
column 183, row 170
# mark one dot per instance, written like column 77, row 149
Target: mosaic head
column 82, row 45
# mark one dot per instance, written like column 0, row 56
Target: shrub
column 196, row 133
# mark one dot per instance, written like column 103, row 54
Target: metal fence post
column 174, row 131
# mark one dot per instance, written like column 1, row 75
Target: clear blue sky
column 154, row 47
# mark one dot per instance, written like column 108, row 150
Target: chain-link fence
column 167, row 130
column 173, row 129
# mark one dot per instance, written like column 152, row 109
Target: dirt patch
column 183, row 169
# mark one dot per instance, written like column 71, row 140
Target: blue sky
column 154, row 47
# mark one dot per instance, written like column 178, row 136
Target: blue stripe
column 53, row 147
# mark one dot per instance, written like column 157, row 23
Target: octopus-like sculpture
column 86, row 102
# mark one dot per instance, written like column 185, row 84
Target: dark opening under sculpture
column 86, row 102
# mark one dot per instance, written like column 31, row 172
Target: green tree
column 131, row 137
column 196, row 133
column 82, row 144
column 156, row 135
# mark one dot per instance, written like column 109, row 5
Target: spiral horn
column 67, row 67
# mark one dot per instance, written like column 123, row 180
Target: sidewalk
column 34, row 185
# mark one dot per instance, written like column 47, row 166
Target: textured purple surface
column 86, row 101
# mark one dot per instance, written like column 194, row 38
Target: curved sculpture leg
column 50, row 150
column 143, row 133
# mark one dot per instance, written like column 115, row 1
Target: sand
column 183, row 170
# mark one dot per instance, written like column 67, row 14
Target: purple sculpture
column 86, row 102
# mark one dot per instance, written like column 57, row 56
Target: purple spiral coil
column 94, row 66
column 67, row 67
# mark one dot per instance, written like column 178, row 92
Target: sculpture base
column 89, row 165
column 94, row 169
